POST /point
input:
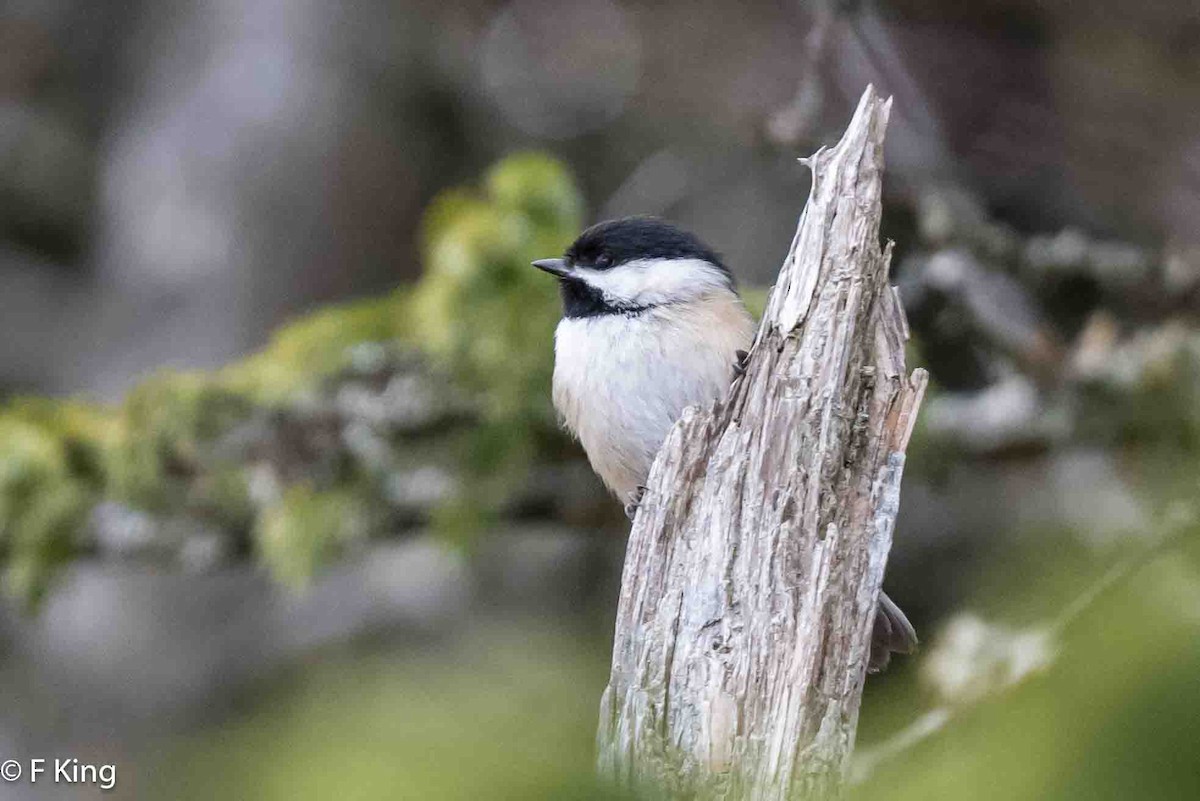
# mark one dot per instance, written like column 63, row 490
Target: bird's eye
column 604, row 261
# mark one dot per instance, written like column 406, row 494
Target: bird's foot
column 739, row 367
column 634, row 502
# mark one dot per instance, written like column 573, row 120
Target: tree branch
column 756, row 558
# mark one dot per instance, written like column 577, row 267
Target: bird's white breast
column 621, row 381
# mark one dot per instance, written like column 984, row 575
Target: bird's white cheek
column 648, row 282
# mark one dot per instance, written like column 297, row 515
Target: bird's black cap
column 609, row 244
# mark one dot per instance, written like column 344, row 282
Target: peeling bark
column 757, row 554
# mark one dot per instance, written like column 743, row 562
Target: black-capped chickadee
column 652, row 324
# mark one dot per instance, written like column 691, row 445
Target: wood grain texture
column 758, row 552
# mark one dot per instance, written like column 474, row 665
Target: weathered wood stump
column 758, row 552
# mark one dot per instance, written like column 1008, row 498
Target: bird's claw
column 636, row 501
column 739, row 366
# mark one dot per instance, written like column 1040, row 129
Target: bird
column 652, row 323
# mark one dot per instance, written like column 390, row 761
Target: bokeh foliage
column 52, row 469
column 509, row 712
column 177, row 445
column 1113, row 714
column 405, row 724
column 488, row 318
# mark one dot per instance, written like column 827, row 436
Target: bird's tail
column 892, row 634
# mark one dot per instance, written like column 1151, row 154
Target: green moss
column 84, row 431
column 305, row 353
column 480, row 315
column 308, row 528
column 48, row 481
column 167, row 424
column 487, row 317
column 480, row 308
column 222, row 496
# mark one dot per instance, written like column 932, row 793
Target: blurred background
column 284, row 510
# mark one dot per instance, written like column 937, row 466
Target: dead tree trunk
column 757, row 555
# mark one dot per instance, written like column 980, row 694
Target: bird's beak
column 554, row 267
